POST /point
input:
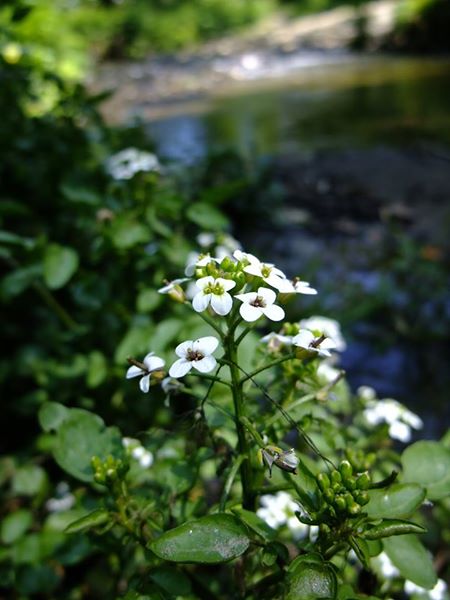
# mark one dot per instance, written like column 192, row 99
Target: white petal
column 205, row 365
column 144, row 383
column 274, row 312
column 222, row 304
column 134, row 372
column 253, row 269
column 201, row 301
column 278, row 273
column 180, row 368
column 227, row 284
column 250, row 313
column 285, row 286
column 303, row 338
column 275, row 281
column 327, row 344
column 205, row 345
column 322, row 352
column 269, row 296
column 248, row 297
column 204, row 281
column 301, row 287
column 154, row 362
column 182, row 349
column 400, row 431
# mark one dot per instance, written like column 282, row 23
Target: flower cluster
column 128, row 162
column 278, row 510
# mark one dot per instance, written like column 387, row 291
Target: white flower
column 296, row 286
column 328, row 327
column 365, row 392
column 439, row 592
column 143, row 456
column 197, row 354
column 275, row 340
column 195, row 260
column 327, row 373
column 279, row 509
column 149, row 364
column 128, row 162
column 397, row 416
column 256, row 304
column 172, row 285
column 383, row 565
column 214, row 292
column 267, row 271
column 307, row 340
column 63, row 501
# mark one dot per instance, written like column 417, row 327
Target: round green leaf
column 210, row 540
column 51, row 415
column 60, row 263
column 256, row 524
column 311, row 580
column 80, row 437
column 411, row 559
column 428, row 463
column 399, row 500
column 29, row 480
column 14, row 525
column 206, row 216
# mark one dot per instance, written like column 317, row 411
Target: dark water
column 364, row 102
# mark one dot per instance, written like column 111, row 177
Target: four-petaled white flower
column 307, row 340
column 397, row 416
column 296, row 286
column 214, row 292
column 267, row 271
column 256, row 304
column 197, row 354
column 149, row 364
column 328, row 327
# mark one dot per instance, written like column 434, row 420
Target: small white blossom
column 214, row 292
column 143, row 456
column 206, row 239
column 328, row 327
column 128, row 162
column 256, row 304
column 365, row 392
column 172, row 285
column 275, row 340
column 196, row 260
column 63, row 501
column 197, row 354
column 296, row 286
column 149, row 364
column 267, row 271
column 307, row 340
column 397, row 416
column 279, row 509
column 439, row 592
column 327, row 373
column 385, row 567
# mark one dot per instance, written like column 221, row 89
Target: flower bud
column 340, row 503
column 362, row 498
column 363, row 481
column 227, row 264
column 346, row 469
column 177, row 294
column 329, row 495
column 323, row 480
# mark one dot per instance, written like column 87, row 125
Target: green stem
column 229, row 482
column 210, row 378
column 253, row 432
column 243, row 334
column 211, row 323
column 267, row 366
column 52, row 303
column 248, row 500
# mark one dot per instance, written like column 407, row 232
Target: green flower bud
column 348, row 499
column 324, row 481
column 362, row 498
column 346, row 469
column 350, row 484
column 211, row 269
column 329, row 495
column 354, row 509
column 336, row 477
column 363, row 481
column 340, row 503
column 227, row 264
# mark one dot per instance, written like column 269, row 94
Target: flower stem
column 267, row 366
column 248, row 500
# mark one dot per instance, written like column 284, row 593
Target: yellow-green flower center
column 214, row 288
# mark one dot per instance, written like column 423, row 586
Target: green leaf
column 80, row 437
column 256, row 524
column 399, row 500
column 411, row 559
column 206, row 216
column 361, row 549
column 15, row 525
column 60, row 263
column 212, row 539
column 147, row 300
column 127, row 233
column 97, row 369
column 310, row 580
column 428, row 463
column 390, row 527
column 16, row 282
column 29, row 480
column 172, row 580
column 51, row 415
column 93, row 519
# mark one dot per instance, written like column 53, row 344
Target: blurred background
column 315, row 132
